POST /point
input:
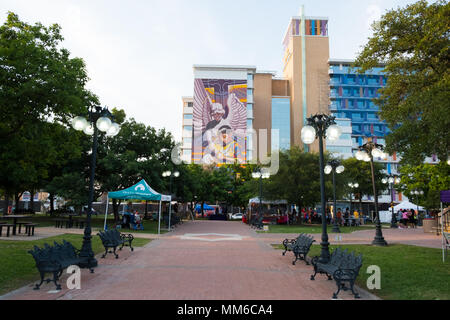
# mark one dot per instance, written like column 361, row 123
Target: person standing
column 399, row 215
column 412, row 218
column 405, row 218
column 339, row 217
column 346, row 216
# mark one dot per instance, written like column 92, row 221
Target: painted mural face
column 220, row 121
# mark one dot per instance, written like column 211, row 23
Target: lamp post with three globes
column 392, row 179
column 321, row 126
column 366, row 153
column 260, row 174
column 99, row 119
column 335, row 167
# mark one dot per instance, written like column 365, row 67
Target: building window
column 250, row 95
column 339, row 149
column 345, row 136
column 190, row 104
column 250, row 80
column 187, row 116
column 281, row 121
column 187, row 129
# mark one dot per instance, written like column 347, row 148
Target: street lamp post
column 352, row 186
column 418, row 193
column 170, row 174
column 260, row 174
column 321, row 126
column 366, row 153
column 335, row 167
column 98, row 119
column 392, row 179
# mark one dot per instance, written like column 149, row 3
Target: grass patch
column 407, row 272
column 17, row 267
column 276, row 228
column 97, row 223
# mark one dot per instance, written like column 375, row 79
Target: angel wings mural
column 220, row 120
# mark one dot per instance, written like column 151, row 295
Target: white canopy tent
column 408, row 206
column 256, row 200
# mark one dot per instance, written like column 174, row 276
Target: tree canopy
column 297, row 180
column 431, row 179
column 41, row 87
column 38, row 79
column 413, row 45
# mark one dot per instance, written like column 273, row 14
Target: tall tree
column 39, row 84
column 242, row 188
column 39, row 80
column 137, row 152
column 413, row 43
column 431, row 179
column 360, row 172
column 297, row 180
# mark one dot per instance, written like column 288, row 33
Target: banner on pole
column 445, row 196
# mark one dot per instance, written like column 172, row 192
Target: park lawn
column 97, row 223
column 17, row 267
column 308, row 228
column 407, row 272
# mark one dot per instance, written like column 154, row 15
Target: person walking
column 405, row 218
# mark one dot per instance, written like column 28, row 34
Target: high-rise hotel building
column 186, row 136
column 311, row 83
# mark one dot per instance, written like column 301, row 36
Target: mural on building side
column 220, row 121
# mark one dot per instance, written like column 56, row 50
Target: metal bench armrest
column 345, row 274
column 127, row 237
column 288, row 241
column 314, row 260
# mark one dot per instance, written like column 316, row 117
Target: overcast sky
column 139, row 53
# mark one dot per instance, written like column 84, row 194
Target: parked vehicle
column 236, row 216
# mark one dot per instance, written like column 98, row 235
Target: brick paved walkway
column 202, row 260
column 414, row 237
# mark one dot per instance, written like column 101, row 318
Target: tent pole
column 442, row 233
column 170, row 211
column 159, row 218
column 106, row 212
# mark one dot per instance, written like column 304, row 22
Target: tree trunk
column 52, row 205
column 116, row 205
column 17, row 201
column 6, row 204
column 299, row 213
column 360, row 205
column 32, row 201
column 203, row 213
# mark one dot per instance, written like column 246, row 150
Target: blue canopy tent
column 198, row 207
column 141, row 191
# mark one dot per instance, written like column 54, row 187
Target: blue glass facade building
column 351, row 96
column 281, row 121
